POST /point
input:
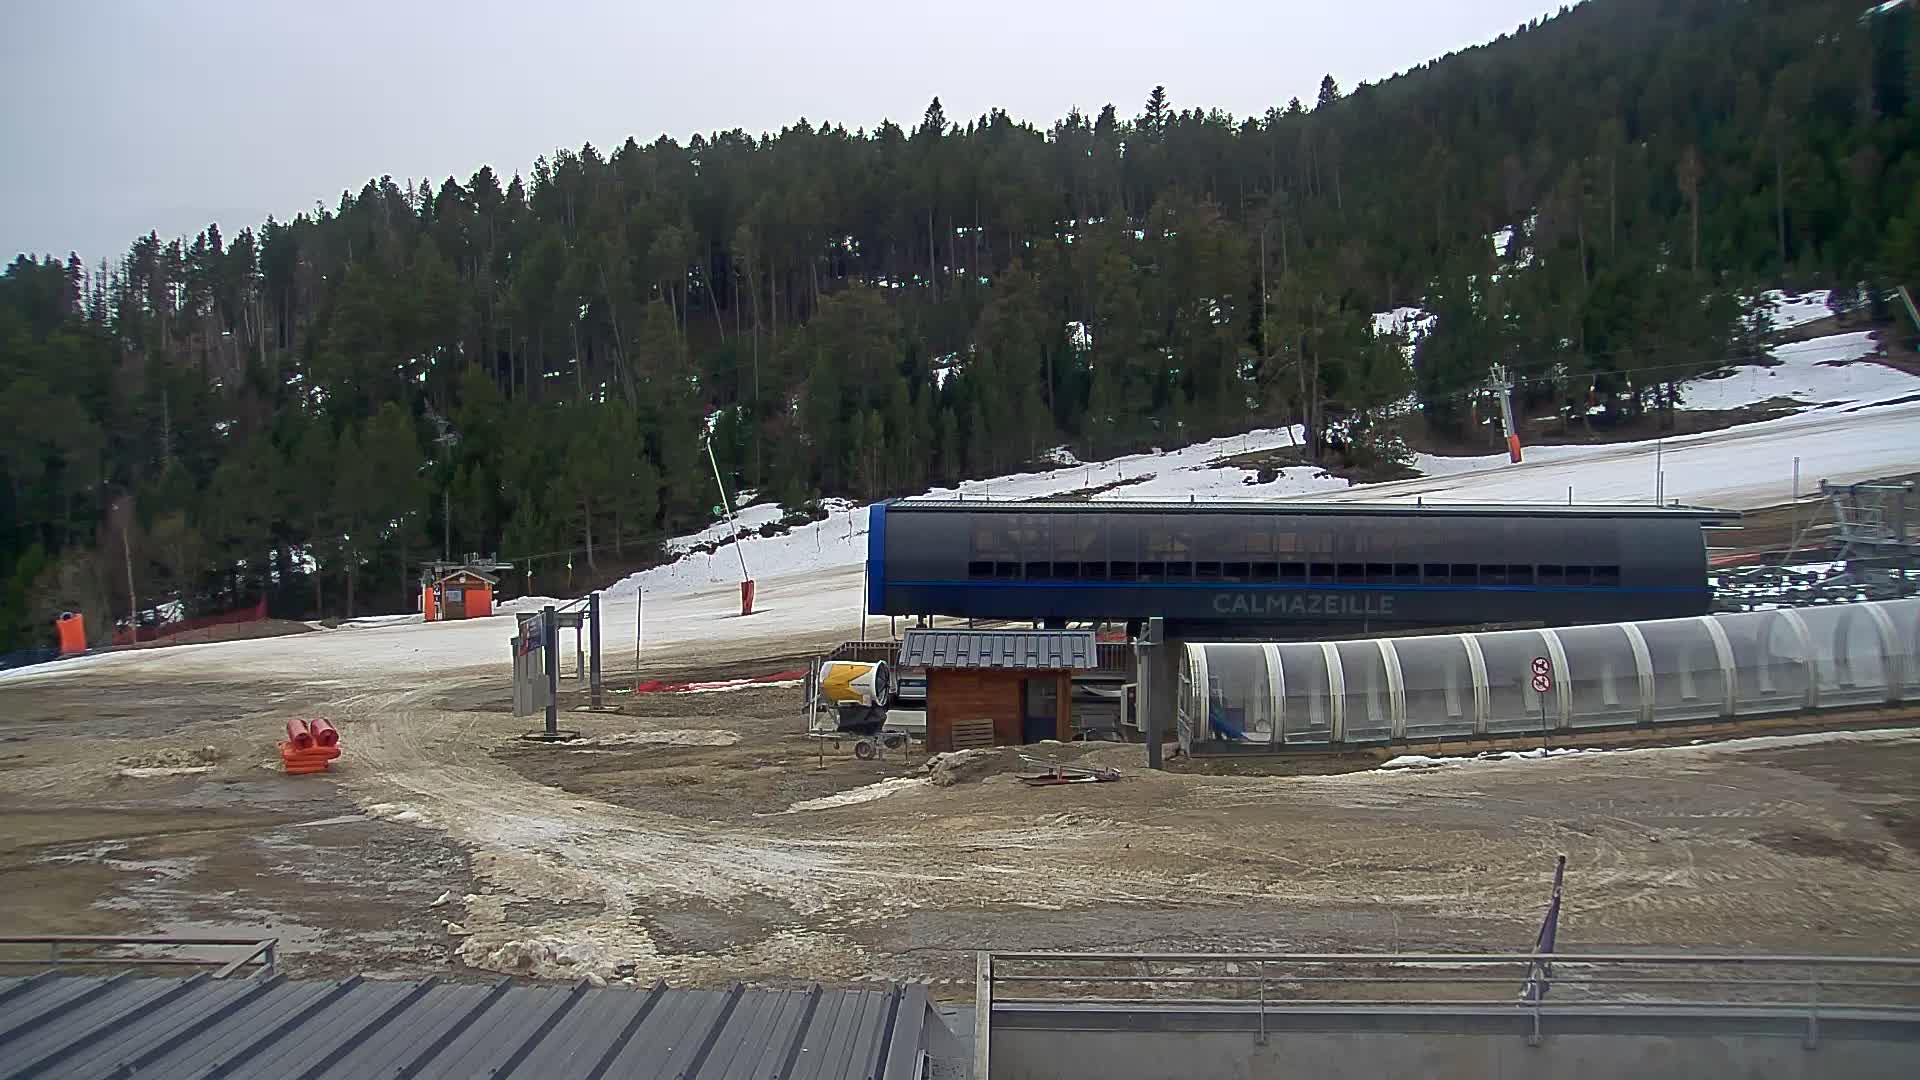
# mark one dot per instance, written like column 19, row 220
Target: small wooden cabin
column 998, row 687
column 464, row 593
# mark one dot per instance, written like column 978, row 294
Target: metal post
column 982, row 1014
column 1152, row 694
column 550, row 640
column 639, row 632
column 1659, row 473
column 1793, row 508
column 727, row 505
column 593, row 613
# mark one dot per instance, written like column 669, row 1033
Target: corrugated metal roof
column 89, row 1026
column 1035, row 650
column 1284, row 507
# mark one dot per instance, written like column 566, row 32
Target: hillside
column 308, row 407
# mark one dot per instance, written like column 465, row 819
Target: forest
column 534, row 365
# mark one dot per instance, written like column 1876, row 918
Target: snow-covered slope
column 1795, row 309
column 1821, row 371
column 1858, row 424
column 841, row 538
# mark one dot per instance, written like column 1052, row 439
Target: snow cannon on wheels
column 858, row 692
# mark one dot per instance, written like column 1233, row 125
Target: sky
column 129, row 116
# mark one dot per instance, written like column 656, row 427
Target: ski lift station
column 1289, row 626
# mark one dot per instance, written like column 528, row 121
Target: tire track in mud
column 814, row 891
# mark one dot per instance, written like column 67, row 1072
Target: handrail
column 263, row 950
column 1279, row 988
column 1557, row 958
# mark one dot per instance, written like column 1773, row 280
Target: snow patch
column 684, row 737
column 1791, row 309
column 1828, row 370
column 1757, row 742
column 858, row 795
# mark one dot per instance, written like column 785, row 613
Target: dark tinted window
column 1237, row 571
column 1093, row 571
column 1206, row 571
column 1292, row 571
column 1580, row 576
column 1519, row 575
column 1039, row 571
column 979, row 569
column 1007, row 571
column 1379, row 573
column 1266, row 571
column 1066, row 571
column 1406, row 573
column 1124, row 570
column 1493, row 574
column 1320, row 571
column 1180, row 571
column 1153, row 571
column 1608, row 576
column 1437, row 574
column 1552, row 574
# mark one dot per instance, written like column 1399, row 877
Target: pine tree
column 1329, row 93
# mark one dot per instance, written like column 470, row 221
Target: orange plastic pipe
column 299, row 734
column 323, row 732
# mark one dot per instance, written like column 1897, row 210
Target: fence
column 67, row 950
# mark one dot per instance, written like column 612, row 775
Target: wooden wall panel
column 972, row 695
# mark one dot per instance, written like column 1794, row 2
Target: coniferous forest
column 530, row 364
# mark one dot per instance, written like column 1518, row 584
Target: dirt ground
column 676, row 839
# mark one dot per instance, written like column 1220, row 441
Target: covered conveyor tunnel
column 1252, row 697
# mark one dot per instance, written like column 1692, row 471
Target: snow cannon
column 299, row 734
column 859, row 693
column 324, row 733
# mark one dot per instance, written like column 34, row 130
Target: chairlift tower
column 1875, row 526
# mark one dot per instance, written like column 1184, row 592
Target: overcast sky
column 121, row 117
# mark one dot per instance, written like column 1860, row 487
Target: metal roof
column 93, row 1026
column 1283, row 507
column 1032, row 650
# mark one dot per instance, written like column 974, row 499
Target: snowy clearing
column 1828, row 370
column 1790, row 310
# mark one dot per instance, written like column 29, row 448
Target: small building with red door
column 998, row 687
column 462, row 593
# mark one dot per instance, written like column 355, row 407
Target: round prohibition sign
column 1542, row 666
column 1542, row 684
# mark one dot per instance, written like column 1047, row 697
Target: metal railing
column 62, row 950
column 1259, row 986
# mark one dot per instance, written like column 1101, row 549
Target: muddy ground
column 675, row 840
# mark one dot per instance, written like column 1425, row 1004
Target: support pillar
column 593, row 613
column 550, row 640
column 1157, row 687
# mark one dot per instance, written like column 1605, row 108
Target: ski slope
column 1862, row 420
column 1820, row 371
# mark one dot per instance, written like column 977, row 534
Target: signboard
column 1542, row 674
